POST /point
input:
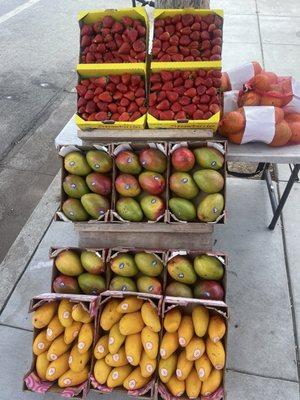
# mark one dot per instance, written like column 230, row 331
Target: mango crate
column 211, row 123
column 97, row 70
column 32, row 382
column 91, row 16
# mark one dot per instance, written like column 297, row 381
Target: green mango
column 65, row 285
column 68, row 263
column 183, row 209
column 75, row 163
column 95, row 204
column 148, row 264
column 152, row 206
column 147, row 284
column 121, row 283
column 75, row 186
column 208, row 157
column 208, row 267
column 177, row 289
column 128, row 162
column 91, row 284
column 209, row 181
column 99, row 161
column 124, row 265
column 74, row 210
column 183, row 185
column 211, row 207
column 129, row 209
column 91, row 262
column 181, row 270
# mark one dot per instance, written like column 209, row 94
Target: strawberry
column 89, row 58
column 170, row 29
column 190, row 109
column 115, row 117
column 184, row 100
column 81, row 110
column 195, row 36
column 163, row 105
column 140, row 92
column 196, row 99
column 101, row 81
column 98, row 39
column 112, row 45
column 115, row 79
column 86, row 30
column 81, row 102
column 178, row 26
column 152, row 99
column 207, row 115
column 184, row 51
column 85, row 116
column 179, row 89
column 135, row 116
column 200, row 81
column 180, row 115
column 178, row 82
column 201, row 90
column 211, row 27
column 101, row 48
column 165, row 58
column 89, row 95
column 107, row 21
column 204, row 26
column 217, row 33
column 117, row 96
column 216, row 41
column 174, row 40
column 92, row 117
column 141, row 30
column 132, row 34
column 155, row 78
column 125, row 78
column 189, row 83
column 191, row 92
column 196, row 26
column 187, row 19
column 205, row 99
column 205, row 45
column 164, row 37
column 167, row 86
column 216, row 49
column 195, row 53
column 124, row 116
column 101, row 116
column 218, row 21
column 90, row 107
column 214, row 108
column 136, row 79
column 124, row 102
column 159, row 23
column 81, row 90
column 209, row 18
column 143, row 110
column 141, row 56
column 166, row 115
column 166, row 76
column 186, row 30
column 132, row 107
column 102, row 106
column 156, row 86
column 214, row 100
column 124, row 49
column 208, row 82
column 129, row 95
column 176, row 57
column 161, row 96
column 127, row 21
column 158, row 31
column 164, row 46
column 108, row 38
column 140, row 101
column 117, row 27
column 121, row 109
column 155, row 51
column 176, row 18
column 184, row 40
column 215, row 57
column 205, row 35
column 112, row 107
column 97, row 26
column 212, row 91
column 198, row 114
column 139, row 45
column 111, row 87
column 105, row 97
column 153, row 111
column 176, row 107
column 203, row 107
column 172, row 50
column 172, row 96
column 85, row 41
column 122, row 88
column 217, row 82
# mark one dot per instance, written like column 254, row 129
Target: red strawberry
column 127, row 21
column 153, row 111
column 184, row 100
column 166, row 115
column 161, row 96
column 136, row 80
column 139, row 45
column 205, row 35
column 117, row 27
column 101, row 48
column 176, row 107
column 124, row 49
column 196, row 99
column 152, row 99
column 122, row 88
column 124, row 116
column 90, row 107
column 155, row 51
column 101, row 81
column 208, row 82
column 179, row 89
column 163, row 105
column 217, row 82
column 172, row 96
column 98, row 39
column 170, row 29
column 89, row 58
column 115, row 79
column 140, row 101
column 184, row 40
column 164, row 37
column 135, row 116
column 108, row 38
column 196, row 26
column 129, row 95
column 195, row 36
column 159, row 23
column 125, row 78
column 166, row 76
column 187, row 19
column 198, row 114
column 195, row 53
column 216, row 41
column 190, row 108
column 121, row 109
column 178, row 82
column 186, row 30
column 176, row 57
column 112, row 107
column 176, row 19
column 141, row 30
column 172, row 50
column 205, row 45
column 81, row 102
column 211, row 27
column 81, row 109
column 112, row 45
column 189, row 83
column 86, row 30
column 105, row 97
column 165, row 58
column 205, row 99
column 140, row 92
column 97, row 26
column 203, row 107
column 204, row 26
column 132, row 34
column 191, row 92
column 101, row 116
column 156, row 86
column 117, row 96
column 180, row 115
column 218, row 21
column 115, row 117
column 214, row 108
column 102, row 106
column 132, row 107
column 207, row 115
column 212, row 91
column 141, row 56
column 92, row 117
column 217, row 33
column 111, row 87
column 201, row 90
column 178, row 26
column 89, row 95
column 107, row 21
column 185, row 51
column 155, row 78
column 215, row 57
column 81, row 90
column 167, row 86
column 165, row 45
column 85, row 41
column 124, row 102
column 158, row 31
column 174, row 40
column 143, row 110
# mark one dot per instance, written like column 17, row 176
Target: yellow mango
column 79, row 314
column 212, row 383
column 54, row 328
column 85, row 337
column 172, row 320
column 175, row 386
column 40, row 344
column 41, row 365
column 200, row 316
column 101, row 371
column 150, row 341
column 150, row 316
column 65, row 313
column 203, row 367
column 78, row 361
column 216, row 353
column 167, row 367
column 110, row 315
column 71, row 378
column 131, row 323
column 57, row 348
column 216, row 328
column 58, row 367
column 43, row 315
column 185, row 330
column 115, row 339
column 169, row 344
column 133, row 348
column 101, row 348
column 147, row 365
column 130, row 304
column 195, row 349
column 118, row 375
column 135, row 380
column 193, row 385
column 184, row 366
column 117, row 359
column 71, row 332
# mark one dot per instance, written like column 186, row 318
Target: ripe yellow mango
column 71, row 378
column 117, row 359
column 130, row 304
column 118, row 375
column 193, row 385
column 79, row 314
column 200, row 316
column 131, row 323
column 135, row 380
column 41, row 365
column 216, row 353
column 71, row 332
column 212, row 383
column 203, row 367
column 57, row 348
column 58, row 367
column 85, row 337
column 147, row 365
column 133, row 348
column 184, row 366
column 65, row 313
column 216, row 328
column 43, row 315
column 101, row 371
column 101, row 348
column 115, row 339
column 195, row 349
column 110, row 315
column 40, row 344
column 185, row 330
column 150, row 316
column 54, row 328
column 175, row 386
column 78, row 361
column 172, row 320
column 169, row 344
column 150, row 342
column 167, row 367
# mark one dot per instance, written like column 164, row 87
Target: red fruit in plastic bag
column 271, row 98
column 294, row 123
column 249, row 99
column 260, row 82
column 232, row 122
column 283, row 134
